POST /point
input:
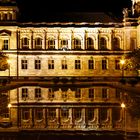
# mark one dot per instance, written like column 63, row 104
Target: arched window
column 51, row 44
column 64, row 44
column 103, row 44
column 25, row 43
column 38, row 43
column 77, row 44
column 90, row 44
column 5, row 16
column 103, row 114
column 10, row 16
column 116, row 44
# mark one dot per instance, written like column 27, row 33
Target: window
column 103, row 114
column 118, row 94
column 77, row 113
column 116, row 114
column 78, row 93
column 51, row 44
column 117, row 64
column 91, row 93
column 25, row 114
column 50, row 64
column 38, row 43
column 103, row 44
column 104, row 64
column 77, row 44
column 64, row 64
column 5, row 16
column 10, row 16
column 24, row 93
column 64, row 95
column 77, row 64
column 64, row 44
column 90, row 114
column 104, row 92
column 116, row 44
column 39, row 114
column 65, row 113
column 90, row 43
column 38, row 64
column 52, row 113
column 25, row 43
column 50, row 93
column 24, row 64
column 90, row 64
column 37, row 93
column 5, row 44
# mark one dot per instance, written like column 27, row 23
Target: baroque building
column 63, row 70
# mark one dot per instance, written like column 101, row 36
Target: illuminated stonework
column 61, row 54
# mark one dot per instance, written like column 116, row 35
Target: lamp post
column 122, row 62
column 123, row 106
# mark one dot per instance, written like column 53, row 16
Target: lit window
column 91, row 93
column 117, row 65
column 38, row 64
column 37, row 93
column 51, row 93
column 25, row 43
column 104, row 64
column 103, row 44
column 24, row 93
column 104, row 92
column 77, row 113
column 5, row 44
column 50, row 64
column 52, row 113
column 90, row 114
column 24, row 64
column 64, row 44
column 51, row 44
column 64, row 113
column 78, row 93
column 64, row 64
column 103, row 114
column 116, row 114
column 90, row 43
column 77, row 44
column 118, row 94
column 39, row 114
column 38, row 43
column 77, row 64
column 91, row 64
column 25, row 113
column 116, row 44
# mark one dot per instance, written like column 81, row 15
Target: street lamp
column 122, row 62
column 123, row 106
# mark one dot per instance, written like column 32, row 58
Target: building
column 53, row 61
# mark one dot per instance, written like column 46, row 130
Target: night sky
column 41, row 8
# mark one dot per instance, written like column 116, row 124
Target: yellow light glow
column 8, row 61
column 122, row 105
column 122, row 61
column 9, row 105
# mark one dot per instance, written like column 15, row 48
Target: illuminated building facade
column 60, row 54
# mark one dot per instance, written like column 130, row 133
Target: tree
column 3, row 62
column 133, row 60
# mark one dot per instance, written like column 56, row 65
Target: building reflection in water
column 63, row 108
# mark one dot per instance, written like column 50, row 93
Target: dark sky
column 32, row 8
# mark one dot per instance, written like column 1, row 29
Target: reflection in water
column 75, row 109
